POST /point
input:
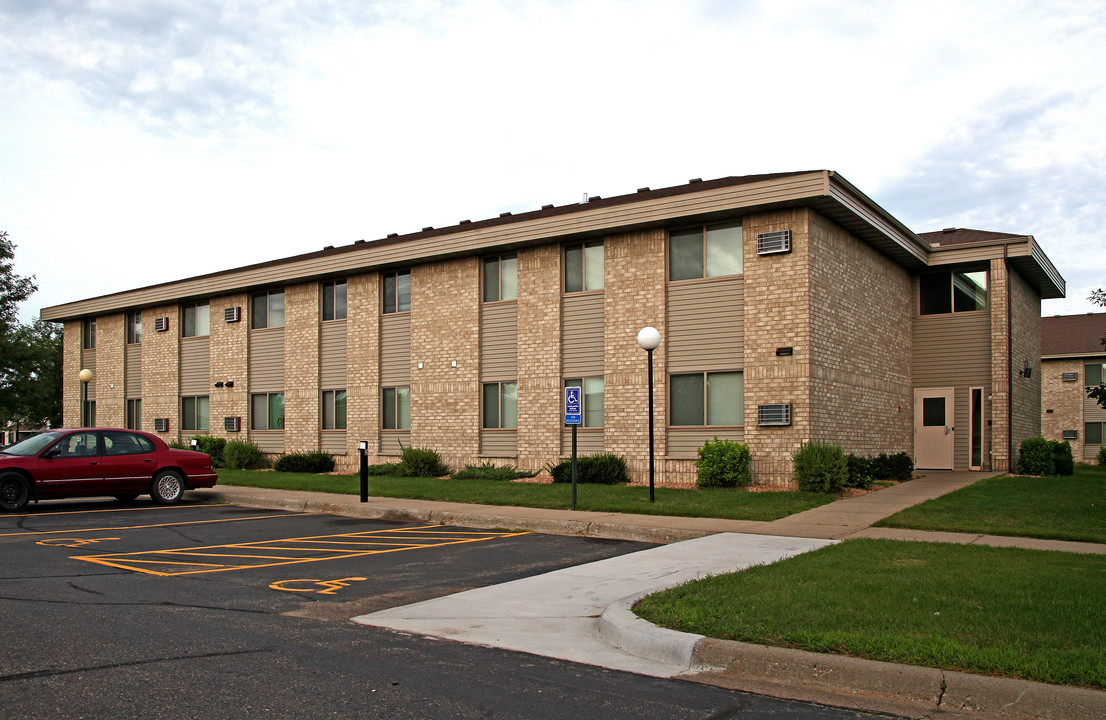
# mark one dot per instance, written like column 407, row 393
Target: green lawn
column 995, row 611
column 731, row 504
column 1069, row 507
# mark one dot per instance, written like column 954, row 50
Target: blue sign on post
column 573, row 410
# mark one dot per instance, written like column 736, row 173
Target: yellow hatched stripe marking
column 138, row 561
column 48, row 533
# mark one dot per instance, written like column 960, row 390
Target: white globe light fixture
column 649, row 338
column 86, row 376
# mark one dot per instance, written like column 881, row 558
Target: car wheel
column 167, row 488
column 14, row 492
column 126, row 497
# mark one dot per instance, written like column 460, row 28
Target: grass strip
column 711, row 503
column 1071, row 507
column 1018, row 613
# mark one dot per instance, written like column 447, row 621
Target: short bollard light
column 363, row 449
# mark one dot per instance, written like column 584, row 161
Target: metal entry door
column 934, row 428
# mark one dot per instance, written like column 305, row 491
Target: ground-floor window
column 709, row 398
column 1092, row 433
column 134, row 413
column 267, row 411
column 334, row 409
column 396, row 407
column 194, row 413
column 88, row 414
column 592, row 391
column 500, row 405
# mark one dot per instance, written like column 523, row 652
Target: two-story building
column 791, row 307
column 1073, row 359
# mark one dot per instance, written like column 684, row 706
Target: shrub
column 422, row 462
column 820, row 467
column 213, row 446
column 898, row 467
column 723, row 463
column 861, row 471
column 1035, row 457
column 242, row 455
column 601, row 469
column 1062, row 461
column 315, row 462
column 488, row 471
column 1102, row 455
column 385, row 469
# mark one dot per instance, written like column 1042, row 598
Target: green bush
column 862, row 471
column 213, row 446
column 242, row 455
column 1102, row 455
column 422, row 462
column 386, row 469
column 723, row 463
column 1062, row 461
column 601, row 469
column 488, row 471
column 898, row 467
column 820, row 467
column 314, row 462
column 1035, row 457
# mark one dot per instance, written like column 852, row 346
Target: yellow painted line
column 105, row 510
column 137, row 561
column 47, row 533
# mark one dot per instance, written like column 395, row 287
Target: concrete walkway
column 583, row 614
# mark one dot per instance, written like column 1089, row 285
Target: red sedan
column 98, row 461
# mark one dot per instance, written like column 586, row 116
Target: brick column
column 301, row 367
column 362, row 367
column 540, row 415
column 161, row 370
column 1000, row 368
column 111, row 345
column 70, row 372
column 229, row 350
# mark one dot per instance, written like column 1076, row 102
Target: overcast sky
column 142, row 142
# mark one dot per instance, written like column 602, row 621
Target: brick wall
column 1000, row 367
column 161, row 370
column 1026, row 394
column 301, row 367
column 1062, row 402
column 70, row 372
column 540, row 414
column 229, row 348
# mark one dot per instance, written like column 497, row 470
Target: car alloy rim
column 169, row 487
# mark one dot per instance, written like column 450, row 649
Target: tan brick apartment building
column 791, row 307
column 1072, row 359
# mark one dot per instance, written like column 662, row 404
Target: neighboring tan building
column 1072, row 360
column 792, row 308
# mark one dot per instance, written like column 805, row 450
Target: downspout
column 1010, row 463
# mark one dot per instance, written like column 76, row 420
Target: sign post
column 573, row 416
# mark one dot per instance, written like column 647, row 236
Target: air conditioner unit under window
column 770, row 243
column 161, row 424
column 777, row 414
column 232, row 314
column 161, row 324
column 232, row 424
column 1071, row 434
column 1070, row 377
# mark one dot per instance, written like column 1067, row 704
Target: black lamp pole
column 652, row 467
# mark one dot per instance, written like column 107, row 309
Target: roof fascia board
column 864, row 207
column 1074, row 355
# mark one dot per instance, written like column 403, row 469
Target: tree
column 1098, row 394
column 30, row 355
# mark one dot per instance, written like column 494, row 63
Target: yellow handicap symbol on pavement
column 319, row 587
column 71, row 542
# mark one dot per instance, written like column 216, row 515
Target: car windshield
column 33, row 445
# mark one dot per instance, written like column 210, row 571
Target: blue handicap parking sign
column 573, row 410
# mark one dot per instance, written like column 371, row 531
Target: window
column 267, row 310
column 134, row 413
column 500, row 405
column 267, row 411
column 592, row 389
column 949, row 292
column 334, row 409
column 397, row 291
column 125, row 443
column 89, row 414
column 82, row 444
column 716, row 398
column 194, row 413
column 397, row 408
column 584, row 266
column 134, row 328
column 1093, row 373
column 501, row 277
column 334, row 300
column 709, row 251
column 88, row 334
column 1092, row 433
column 197, row 319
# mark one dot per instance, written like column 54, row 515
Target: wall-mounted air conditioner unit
column 777, row 414
column 161, row 424
column 161, row 324
column 232, row 314
column 1070, row 377
column 1071, row 434
column 771, row 243
column 232, row 424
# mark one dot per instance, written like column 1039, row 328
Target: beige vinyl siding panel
column 588, row 442
column 332, row 355
column 270, row 441
column 582, row 334
column 1092, row 411
column 498, row 341
column 684, row 442
column 195, row 365
column 395, row 349
column 499, row 443
column 267, row 360
column 954, row 350
column 88, row 362
column 133, row 377
column 706, row 325
column 333, row 442
column 589, row 222
column 392, row 442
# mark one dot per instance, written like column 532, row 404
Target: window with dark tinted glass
column 267, row 310
column 947, row 292
column 584, row 266
column 334, row 300
column 501, row 277
column 397, row 291
column 933, row 411
column 705, row 251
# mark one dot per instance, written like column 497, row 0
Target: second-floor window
column 88, row 334
column 584, row 266
column 705, row 251
column 397, row 291
column 952, row 292
column 134, row 328
column 334, row 300
column 501, row 277
column 1093, row 374
column 267, row 310
column 196, row 319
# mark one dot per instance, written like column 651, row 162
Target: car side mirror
column 51, row 453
